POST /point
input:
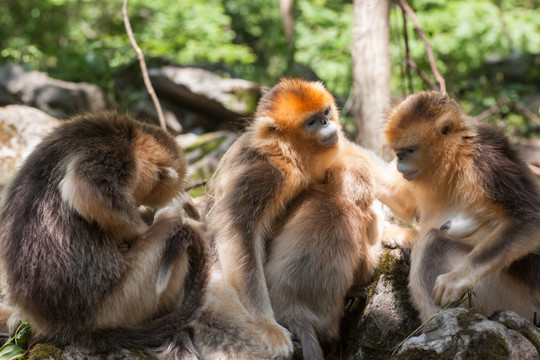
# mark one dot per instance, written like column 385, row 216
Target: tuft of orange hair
column 291, row 99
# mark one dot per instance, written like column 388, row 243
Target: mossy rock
column 374, row 327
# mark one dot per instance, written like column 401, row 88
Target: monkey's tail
column 168, row 334
column 311, row 347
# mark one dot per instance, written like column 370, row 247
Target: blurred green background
column 485, row 50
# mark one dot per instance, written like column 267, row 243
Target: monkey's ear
column 447, row 128
column 268, row 123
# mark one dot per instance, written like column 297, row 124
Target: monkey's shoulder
column 503, row 174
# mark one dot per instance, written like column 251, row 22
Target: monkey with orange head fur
column 293, row 204
column 479, row 209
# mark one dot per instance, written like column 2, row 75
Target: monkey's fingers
column 449, row 288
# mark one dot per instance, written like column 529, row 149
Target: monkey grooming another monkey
column 479, row 209
column 293, row 166
column 65, row 218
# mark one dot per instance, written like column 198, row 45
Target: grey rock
column 56, row 97
column 21, row 129
column 223, row 99
column 460, row 334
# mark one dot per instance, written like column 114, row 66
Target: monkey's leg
column 125, row 306
column 435, row 254
column 509, row 241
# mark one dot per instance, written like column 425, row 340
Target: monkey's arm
column 240, row 222
column 105, row 202
column 394, row 191
column 390, row 186
column 508, row 242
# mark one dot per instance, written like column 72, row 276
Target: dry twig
column 142, row 63
column 494, row 109
column 406, row 8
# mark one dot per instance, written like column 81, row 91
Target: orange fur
column 295, row 143
column 469, row 183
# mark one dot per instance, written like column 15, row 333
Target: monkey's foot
column 278, row 340
column 451, row 287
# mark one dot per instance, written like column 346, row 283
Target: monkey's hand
column 395, row 236
column 278, row 339
column 451, row 286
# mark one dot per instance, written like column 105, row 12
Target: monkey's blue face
column 406, row 159
column 321, row 127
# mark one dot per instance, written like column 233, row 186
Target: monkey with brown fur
column 286, row 154
column 65, row 216
column 330, row 242
column 479, row 209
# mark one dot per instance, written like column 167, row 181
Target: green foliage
column 14, row 347
column 324, row 32
column 470, row 39
column 85, row 40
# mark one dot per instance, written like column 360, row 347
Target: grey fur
column 58, row 266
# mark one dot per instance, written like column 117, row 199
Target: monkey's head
column 301, row 112
column 426, row 131
column 161, row 167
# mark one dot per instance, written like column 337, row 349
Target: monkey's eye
column 310, row 122
column 327, row 112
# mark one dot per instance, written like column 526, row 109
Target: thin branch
column 142, row 63
column 442, row 85
column 421, row 73
column 407, row 51
column 196, row 185
column 525, row 111
column 494, row 109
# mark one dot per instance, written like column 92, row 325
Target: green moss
column 529, row 331
column 465, row 318
column 485, row 345
column 45, row 351
column 363, row 336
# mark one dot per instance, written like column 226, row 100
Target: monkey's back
column 56, row 265
column 504, row 175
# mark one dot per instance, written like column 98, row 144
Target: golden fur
column 292, row 157
column 479, row 208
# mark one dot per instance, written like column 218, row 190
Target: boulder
column 193, row 98
column 223, row 98
column 460, row 334
column 21, row 129
column 57, row 98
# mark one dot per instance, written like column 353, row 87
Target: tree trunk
column 371, row 70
